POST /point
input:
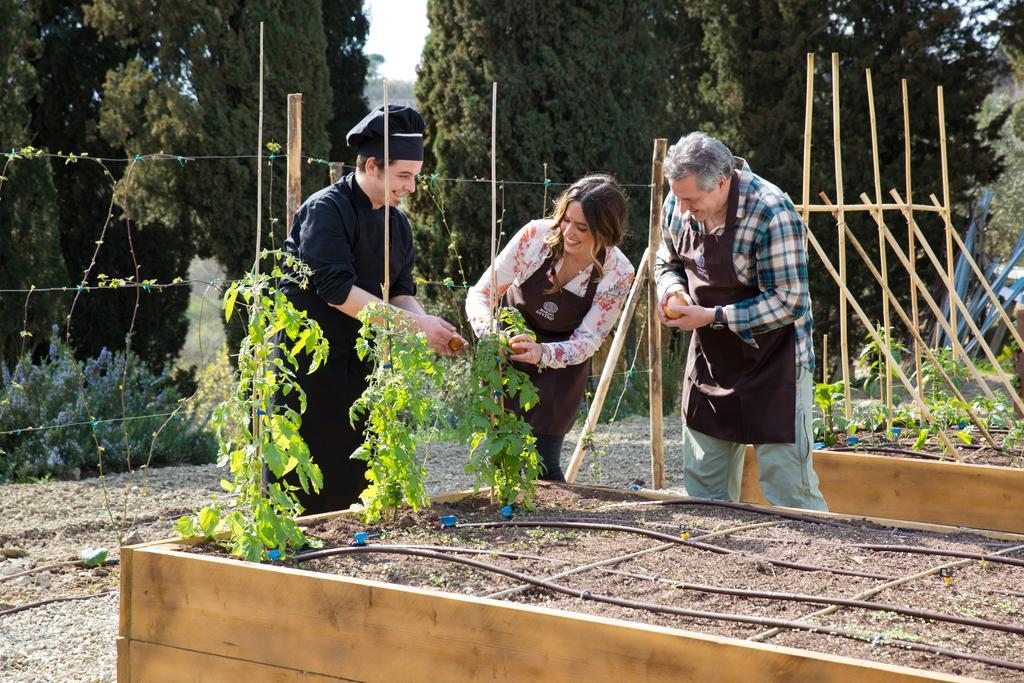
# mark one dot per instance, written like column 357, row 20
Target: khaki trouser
column 713, row 468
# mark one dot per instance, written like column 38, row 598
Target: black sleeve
column 404, row 282
column 326, row 237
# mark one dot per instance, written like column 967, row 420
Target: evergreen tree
column 755, row 91
column 72, row 63
column 578, row 86
column 28, row 201
column 191, row 86
column 345, row 28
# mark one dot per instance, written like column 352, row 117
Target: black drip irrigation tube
column 662, row 609
column 720, row 550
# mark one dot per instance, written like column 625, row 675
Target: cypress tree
column 345, row 28
column 755, row 89
column 28, row 199
column 579, row 84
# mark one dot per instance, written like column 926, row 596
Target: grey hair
column 698, row 154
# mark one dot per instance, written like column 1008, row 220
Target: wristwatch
column 719, row 322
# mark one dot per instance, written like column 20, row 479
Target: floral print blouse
column 520, row 259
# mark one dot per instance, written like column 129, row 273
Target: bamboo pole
column 608, row 372
column 386, row 288
column 808, row 111
column 984, row 283
column 653, row 322
column 256, row 402
column 838, row 156
column 881, row 279
column 918, row 284
column 494, row 199
column 945, row 213
column 831, row 208
column 824, row 359
column 911, row 249
column 956, row 301
column 878, row 340
column 887, row 384
column 293, row 182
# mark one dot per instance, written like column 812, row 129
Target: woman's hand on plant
column 527, row 350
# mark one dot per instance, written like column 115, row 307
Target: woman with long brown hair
column 569, row 279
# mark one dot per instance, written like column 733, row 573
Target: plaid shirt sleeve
column 781, row 265
column 668, row 267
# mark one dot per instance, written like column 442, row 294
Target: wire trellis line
column 83, row 423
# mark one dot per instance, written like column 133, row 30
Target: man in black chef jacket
column 339, row 233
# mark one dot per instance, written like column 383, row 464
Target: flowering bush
column 61, row 414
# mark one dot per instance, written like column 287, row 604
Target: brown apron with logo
column 732, row 390
column 553, row 317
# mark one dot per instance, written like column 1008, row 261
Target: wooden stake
column 544, row 209
column 878, row 341
column 956, row 301
column 256, row 400
column 824, row 359
column 945, row 212
column 887, row 384
column 597, row 403
column 911, row 249
column 881, row 279
column 293, row 183
column 653, row 323
column 831, row 208
column 386, row 288
column 337, row 170
column 984, row 283
column 838, row 155
column 808, row 110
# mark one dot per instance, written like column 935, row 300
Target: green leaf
column 186, row 527
column 229, row 302
column 209, row 518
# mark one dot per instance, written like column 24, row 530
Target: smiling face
column 700, row 203
column 577, row 237
column 401, row 178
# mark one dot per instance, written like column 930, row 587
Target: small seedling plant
column 503, row 452
column 253, row 431
column 397, row 404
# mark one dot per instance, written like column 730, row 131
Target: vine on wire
column 253, row 430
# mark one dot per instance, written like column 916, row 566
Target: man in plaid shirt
column 732, row 267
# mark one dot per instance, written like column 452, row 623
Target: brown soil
column 979, row 452
column 981, row 590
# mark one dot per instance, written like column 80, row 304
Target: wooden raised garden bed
column 195, row 614
column 937, row 492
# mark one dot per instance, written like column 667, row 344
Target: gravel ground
column 53, row 522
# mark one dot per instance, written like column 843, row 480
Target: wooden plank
column 337, row 626
column 149, row 663
column 955, row 494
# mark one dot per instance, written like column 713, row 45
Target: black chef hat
column 405, row 130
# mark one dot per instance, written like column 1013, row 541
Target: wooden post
column 946, row 215
column 1014, row 332
column 653, row 322
column 841, row 218
column 887, row 382
column 878, row 340
column 597, row 403
column 386, row 287
column 293, row 191
column 911, row 248
column 256, row 400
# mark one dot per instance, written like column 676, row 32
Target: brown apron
column 732, row 390
column 553, row 317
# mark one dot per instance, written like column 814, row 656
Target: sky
column 398, row 29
